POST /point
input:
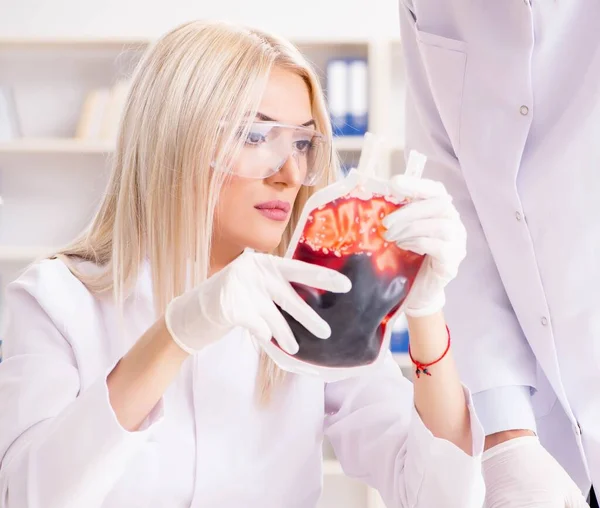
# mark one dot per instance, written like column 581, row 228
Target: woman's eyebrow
column 265, row 118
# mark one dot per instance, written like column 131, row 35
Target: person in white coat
column 503, row 99
column 132, row 375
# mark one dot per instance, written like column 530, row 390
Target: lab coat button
column 577, row 429
column 518, row 215
column 544, row 321
column 524, row 110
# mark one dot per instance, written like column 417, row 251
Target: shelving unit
column 67, row 146
column 50, row 182
column 76, row 146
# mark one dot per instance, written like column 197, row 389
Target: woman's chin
column 266, row 243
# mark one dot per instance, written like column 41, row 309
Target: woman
column 131, row 373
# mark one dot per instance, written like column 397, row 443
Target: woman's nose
column 290, row 174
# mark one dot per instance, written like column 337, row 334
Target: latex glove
column 428, row 225
column 520, row 473
column 244, row 294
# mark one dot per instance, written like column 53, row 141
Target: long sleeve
column 489, row 345
column 505, row 408
column 379, row 438
column 61, row 446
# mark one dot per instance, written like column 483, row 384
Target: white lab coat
column 503, row 97
column 205, row 444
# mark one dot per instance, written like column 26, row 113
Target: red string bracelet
column 423, row 368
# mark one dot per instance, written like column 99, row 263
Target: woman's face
column 254, row 212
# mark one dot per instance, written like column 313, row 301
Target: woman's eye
column 303, row 145
column 254, row 138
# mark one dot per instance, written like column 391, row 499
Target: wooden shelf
column 332, row 467
column 325, row 41
column 11, row 254
column 62, row 43
column 56, row 146
column 356, row 143
column 348, row 143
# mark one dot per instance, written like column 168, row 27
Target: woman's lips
column 274, row 210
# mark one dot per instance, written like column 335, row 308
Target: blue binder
column 358, row 82
column 337, row 95
column 347, row 96
column 399, row 341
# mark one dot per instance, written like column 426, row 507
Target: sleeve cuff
column 505, row 408
column 104, row 422
column 421, row 441
column 436, row 461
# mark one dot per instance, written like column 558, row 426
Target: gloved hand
column 244, row 293
column 428, row 225
column 520, row 473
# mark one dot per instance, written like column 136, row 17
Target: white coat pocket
column 445, row 62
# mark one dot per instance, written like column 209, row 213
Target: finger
column 284, row 295
column 404, row 186
column 444, row 229
column 440, row 252
column 433, row 247
column 412, row 247
column 257, row 327
column 315, row 276
column 426, row 209
column 279, row 327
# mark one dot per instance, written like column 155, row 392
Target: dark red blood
column 381, row 275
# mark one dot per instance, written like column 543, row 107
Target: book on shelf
column 101, row 112
column 358, row 80
column 337, row 95
column 399, row 338
column 348, row 95
column 9, row 121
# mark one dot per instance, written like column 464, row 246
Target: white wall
column 143, row 18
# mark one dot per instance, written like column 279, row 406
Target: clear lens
column 268, row 145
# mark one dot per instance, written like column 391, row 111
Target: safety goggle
column 268, row 145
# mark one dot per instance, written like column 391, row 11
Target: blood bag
column 341, row 228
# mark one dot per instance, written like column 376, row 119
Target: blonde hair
column 161, row 197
